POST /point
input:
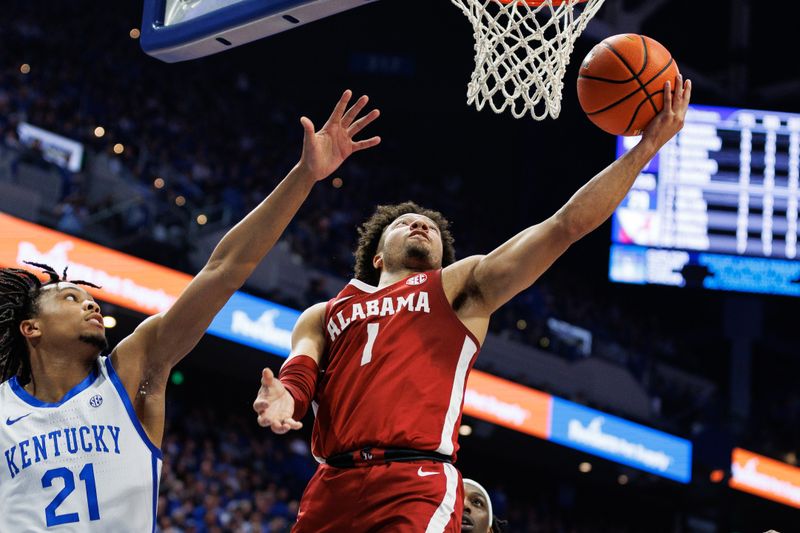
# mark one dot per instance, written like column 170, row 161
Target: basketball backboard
column 178, row 30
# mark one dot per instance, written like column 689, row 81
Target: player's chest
column 355, row 316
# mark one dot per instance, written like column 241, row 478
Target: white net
column 522, row 52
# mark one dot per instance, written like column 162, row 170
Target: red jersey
column 394, row 369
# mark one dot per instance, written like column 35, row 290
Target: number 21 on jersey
column 87, row 476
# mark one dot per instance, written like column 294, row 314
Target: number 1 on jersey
column 372, row 333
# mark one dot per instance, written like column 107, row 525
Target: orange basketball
column 621, row 82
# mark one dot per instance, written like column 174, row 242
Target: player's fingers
column 679, row 88
column 368, row 143
column 341, row 105
column 363, row 122
column 260, row 405
column 308, row 126
column 687, row 92
column 278, row 428
column 668, row 97
column 267, row 377
column 288, row 424
column 354, row 110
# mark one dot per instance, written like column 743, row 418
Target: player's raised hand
column 274, row 405
column 326, row 149
column 670, row 120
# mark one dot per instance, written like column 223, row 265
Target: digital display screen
column 717, row 207
column 56, row 149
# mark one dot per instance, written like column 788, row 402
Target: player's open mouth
column 466, row 523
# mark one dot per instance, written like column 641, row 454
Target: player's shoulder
column 313, row 314
column 461, row 270
column 5, row 388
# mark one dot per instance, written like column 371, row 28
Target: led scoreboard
column 716, row 208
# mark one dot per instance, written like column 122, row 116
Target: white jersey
column 84, row 464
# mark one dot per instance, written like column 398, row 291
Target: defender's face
column 67, row 313
column 476, row 512
column 411, row 241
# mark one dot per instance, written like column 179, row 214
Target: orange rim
column 537, row 3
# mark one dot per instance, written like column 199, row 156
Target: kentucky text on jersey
column 67, row 441
column 383, row 307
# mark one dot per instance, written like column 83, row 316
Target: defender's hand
column 326, row 149
column 274, row 405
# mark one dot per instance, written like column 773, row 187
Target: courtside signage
column 621, row 441
column 507, row 404
column 765, row 477
column 255, row 322
column 149, row 288
column 125, row 280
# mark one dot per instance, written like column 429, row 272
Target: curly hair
column 19, row 300
column 371, row 231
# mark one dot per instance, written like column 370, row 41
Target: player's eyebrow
column 430, row 222
column 84, row 294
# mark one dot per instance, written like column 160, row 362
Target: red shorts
column 399, row 497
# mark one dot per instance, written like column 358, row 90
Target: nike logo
column 10, row 421
column 340, row 300
column 422, row 473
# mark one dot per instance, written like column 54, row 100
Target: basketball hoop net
column 522, row 49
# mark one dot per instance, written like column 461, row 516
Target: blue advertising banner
column 255, row 322
column 621, row 441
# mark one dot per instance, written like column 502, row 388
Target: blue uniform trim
column 126, row 401
column 23, row 395
column 154, row 463
column 156, row 36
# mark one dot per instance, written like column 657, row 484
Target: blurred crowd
column 223, row 473
column 220, row 162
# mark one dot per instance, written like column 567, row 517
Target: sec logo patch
column 96, row 400
column 419, row 279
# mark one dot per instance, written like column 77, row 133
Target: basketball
column 621, row 82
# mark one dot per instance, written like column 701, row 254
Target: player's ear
column 377, row 261
column 30, row 328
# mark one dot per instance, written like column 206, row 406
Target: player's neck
column 389, row 278
column 55, row 373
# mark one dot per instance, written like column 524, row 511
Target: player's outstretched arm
column 518, row 263
column 162, row 340
column 281, row 403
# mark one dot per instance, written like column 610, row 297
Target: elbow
column 227, row 276
column 570, row 228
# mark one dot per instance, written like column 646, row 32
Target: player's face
column 67, row 313
column 411, row 241
column 476, row 513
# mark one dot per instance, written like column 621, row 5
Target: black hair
column 19, row 300
column 371, row 231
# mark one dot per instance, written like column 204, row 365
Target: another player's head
column 478, row 516
column 57, row 315
column 402, row 236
